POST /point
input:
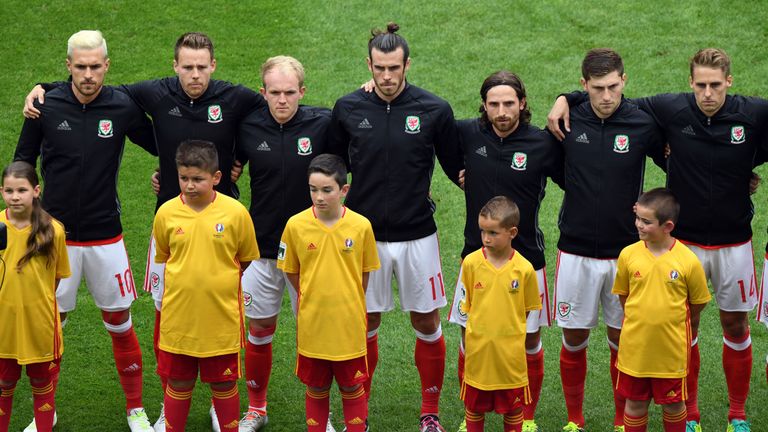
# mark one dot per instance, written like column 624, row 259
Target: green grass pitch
column 454, row 45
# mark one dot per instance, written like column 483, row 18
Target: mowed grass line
column 454, row 46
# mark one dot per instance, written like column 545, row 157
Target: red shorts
column 180, row 367
column 10, row 369
column 502, row 401
column 662, row 390
column 319, row 373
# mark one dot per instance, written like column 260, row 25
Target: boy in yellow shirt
column 662, row 288
column 327, row 252
column 206, row 240
column 501, row 289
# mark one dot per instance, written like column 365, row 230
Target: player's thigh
column 613, row 313
column 378, row 295
column 108, row 276
column 458, row 314
column 10, row 370
column 349, row 373
column 668, row 390
column 263, row 286
column 66, row 293
column 178, row 367
column 220, row 368
column 732, row 274
column 316, row 373
column 43, row 371
column 540, row 318
column 578, row 286
column 419, row 274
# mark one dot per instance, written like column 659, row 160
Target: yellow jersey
column 30, row 329
column 202, row 308
column 496, row 302
column 330, row 262
column 656, row 335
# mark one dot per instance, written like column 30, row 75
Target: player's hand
column 155, row 181
column 754, row 183
column 461, row 178
column 667, row 151
column 369, row 85
column 559, row 112
column 30, row 111
column 237, row 170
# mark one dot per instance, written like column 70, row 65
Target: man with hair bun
column 389, row 139
column 80, row 139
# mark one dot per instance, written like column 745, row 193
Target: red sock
column 45, row 405
column 738, row 371
column 258, row 367
column 460, row 367
column 355, row 406
column 127, row 352
column 317, row 410
column 635, row 424
column 692, row 382
column 227, row 405
column 513, row 422
column 430, row 362
column 475, row 421
column 573, row 374
column 176, row 404
column 6, row 404
column 535, row 364
column 372, row 345
column 155, row 347
column 674, row 422
column 618, row 400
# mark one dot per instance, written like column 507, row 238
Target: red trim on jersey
column 103, row 242
column 713, row 247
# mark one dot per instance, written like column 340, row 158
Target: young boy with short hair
column 327, row 252
column 206, row 240
column 662, row 288
column 501, row 289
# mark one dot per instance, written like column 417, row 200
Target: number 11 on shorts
column 434, row 287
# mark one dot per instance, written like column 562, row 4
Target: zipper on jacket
column 386, row 180
column 599, row 191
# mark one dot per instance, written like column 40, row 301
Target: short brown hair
column 599, row 62
column 198, row 154
column 663, row 203
column 714, row 58
column 502, row 209
column 193, row 40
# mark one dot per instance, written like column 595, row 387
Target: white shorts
column 154, row 275
column 535, row 320
column 416, row 266
column 263, row 285
column 581, row 285
column 731, row 270
column 107, row 273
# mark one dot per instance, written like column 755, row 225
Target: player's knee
column 532, row 340
column 374, row 320
column 674, row 408
column 7, row 384
column 261, row 333
column 575, row 338
column 181, row 385
column 116, row 317
column 352, row 389
column 223, row 386
column 734, row 324
column 117, row 325
column 426, row 323
column 256, row 325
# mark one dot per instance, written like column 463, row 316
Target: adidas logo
column 365, row 124
column 671, row 393
column 227, row 372
column 64, row 126
column 637, row 274
column 478, row 286
column 51, row 366
column 263, row 147
column 311, row 246
column 312, row 422
column 356, row 421
column 432, row 389
column 358, row 374
column 688, row 130
column 482, row 152
column 175, row 111
column 179, row 231
column 235, row 424
column 252, row 384
column 45, row 408
column 132, row 368
column 583, row 138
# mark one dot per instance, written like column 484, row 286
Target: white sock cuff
column 430, row 338
column 576, row 348
column 461, row 349
column 736, row 346
column 534, row 350
column 694, row 341
column 158, row 305
column 119, row 328
column 372, row 333
column 64, row 322
column 257, row 340
column 612, row 345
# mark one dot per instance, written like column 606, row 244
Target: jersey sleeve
column 141, row 131
column 621, row 283
column 161, row 236
column 467, row 278
column 698, row 293
column 448, row 147
column 248, row 248
column 554, row 164
column 30, row 140
column 287, row 259
column 370, row 254
column 531, row 290
column 62, row 259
